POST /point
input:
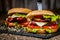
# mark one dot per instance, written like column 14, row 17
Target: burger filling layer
column 18, row 20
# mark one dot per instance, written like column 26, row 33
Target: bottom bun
column 41, row 31
column 54, row 30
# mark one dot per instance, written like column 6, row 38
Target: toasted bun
column 19, row 10
column 38, row 12
column 41, row 31
column 54, row 30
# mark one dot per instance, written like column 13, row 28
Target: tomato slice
column 24, row 23
column 38, row 16
column 50, row 27
column 37, row 27
column 32, row 26
column 54, row 26
column 45, row 27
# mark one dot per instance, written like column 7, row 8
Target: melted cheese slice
column 41, row 23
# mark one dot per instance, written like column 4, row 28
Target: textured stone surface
column 18, row 37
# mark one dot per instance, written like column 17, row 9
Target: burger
column 17, row 17
column 41, row 22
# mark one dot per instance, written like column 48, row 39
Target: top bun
column 19, row 10
column 38, row 12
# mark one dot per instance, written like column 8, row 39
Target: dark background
column 5, row 5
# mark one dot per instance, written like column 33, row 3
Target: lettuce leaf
column 53, row 17
column 46, row 16
column 48, row 30
column 19, row 15
column 32, row 30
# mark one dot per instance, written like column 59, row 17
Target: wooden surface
column 18, row 37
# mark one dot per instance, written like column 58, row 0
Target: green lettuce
column 53, row 17
column 33, row 30
column 46, row 16
column 48, row 30
column 21, row 15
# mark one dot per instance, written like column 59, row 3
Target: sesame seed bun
column 19, row 10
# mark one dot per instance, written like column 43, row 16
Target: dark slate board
column 3, row 28
column 44, row 36
column 14, row 32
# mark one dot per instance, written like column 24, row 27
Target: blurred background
column 5, row 5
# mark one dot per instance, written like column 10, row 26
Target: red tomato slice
column 38, row 16
column 45, row 27
column 54, row 26
column 25, row 23
column 32, row 26
column 50, row 27
column 37, row 27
